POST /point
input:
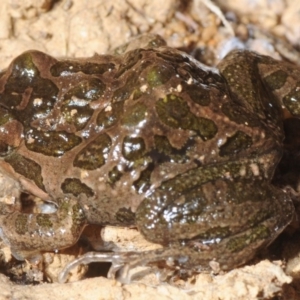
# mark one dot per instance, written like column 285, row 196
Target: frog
column 150, row 138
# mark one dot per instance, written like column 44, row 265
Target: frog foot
column 28, row 234
column 118, row 260
column 124, row 263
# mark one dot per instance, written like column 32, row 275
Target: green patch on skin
column 236, row 143
column 75, row 187
column 134, row 114
column 257, row 233
column 26, row 167
column 133, row 148
column 276, row 80
column 44, row 221
column 175, row 112
column 158, row 75
column 95, row 154
column 21, row 224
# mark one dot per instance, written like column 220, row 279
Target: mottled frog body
column 151, row 138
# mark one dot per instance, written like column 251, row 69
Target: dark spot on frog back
column 276, row 80
column 75, row 187
column 26, row 93
column 95, row 154
column 161, row 152
column 175, row 112
column 76, row 102
column 26, row 167
column 52, row 143
column 133, row 148
column 158, row 75
column 110, row 115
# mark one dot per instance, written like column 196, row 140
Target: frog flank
column 148, row 138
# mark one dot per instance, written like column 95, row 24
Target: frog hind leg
column 219, row 226
column 222, row 220
column 28, row 234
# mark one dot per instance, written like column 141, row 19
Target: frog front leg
column 29, row 234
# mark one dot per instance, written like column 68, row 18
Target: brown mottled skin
column 148, row 137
